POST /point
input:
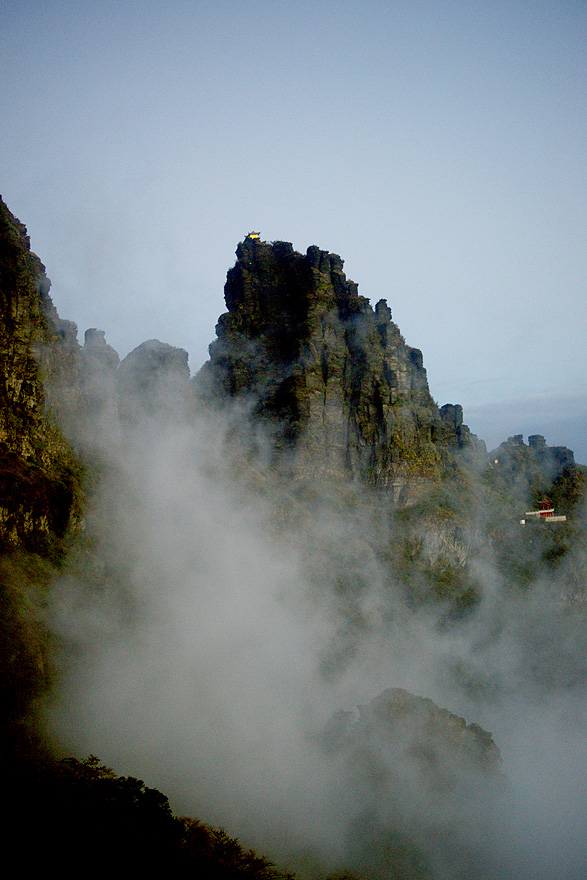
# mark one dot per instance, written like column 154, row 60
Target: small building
column 546, row 509
column 545, row 513
column 253, row 235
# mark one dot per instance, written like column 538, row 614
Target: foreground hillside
column 273, row 591
column 62, row 812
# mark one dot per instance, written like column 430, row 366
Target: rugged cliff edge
column 40, row 487
column 333, row 378
column 39, row 477
column 394, row 500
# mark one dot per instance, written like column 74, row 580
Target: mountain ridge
column 334, row 378
column 393, row 507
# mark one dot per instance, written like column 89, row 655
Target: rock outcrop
column 39, row 476
column 419, row 778
column 40, row 483
column 100, row 393
column 528, row 472
column 154, row 380
column 331, row 377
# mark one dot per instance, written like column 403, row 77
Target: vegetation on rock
column 332, row 377
column 326, row 416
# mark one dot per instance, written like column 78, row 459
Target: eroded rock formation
column 154, row 380
column 332, row 377
column 39, row 474
column 530, row 471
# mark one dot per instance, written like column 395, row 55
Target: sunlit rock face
column 333, row 377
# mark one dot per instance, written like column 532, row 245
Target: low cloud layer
column 206, row 646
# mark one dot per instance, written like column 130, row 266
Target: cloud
column 207, row 640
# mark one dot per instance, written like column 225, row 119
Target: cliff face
column 39, row 475
column 334, row 379
column 39, row 480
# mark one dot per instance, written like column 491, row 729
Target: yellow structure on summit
column 253, row 235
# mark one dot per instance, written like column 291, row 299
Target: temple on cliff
column 545, row 513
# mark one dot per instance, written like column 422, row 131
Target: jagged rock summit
column 421, row 779
column 333, row 377
column 530, row 472
column 154, row 378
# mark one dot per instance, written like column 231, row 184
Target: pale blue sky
column 438, row 147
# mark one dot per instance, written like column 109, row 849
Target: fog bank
column 206, row 643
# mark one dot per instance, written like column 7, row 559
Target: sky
column 438, row 147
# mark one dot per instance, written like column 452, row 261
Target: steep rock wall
column 39, row 476
column 40, row 482
column 333, row 377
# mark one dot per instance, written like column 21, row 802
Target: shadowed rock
column 419, row 780
column 153, row 380
column 332, row 378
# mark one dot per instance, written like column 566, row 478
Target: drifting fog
column 210, row 630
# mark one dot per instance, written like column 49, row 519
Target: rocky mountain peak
column 153, row 379
column 333, row 378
